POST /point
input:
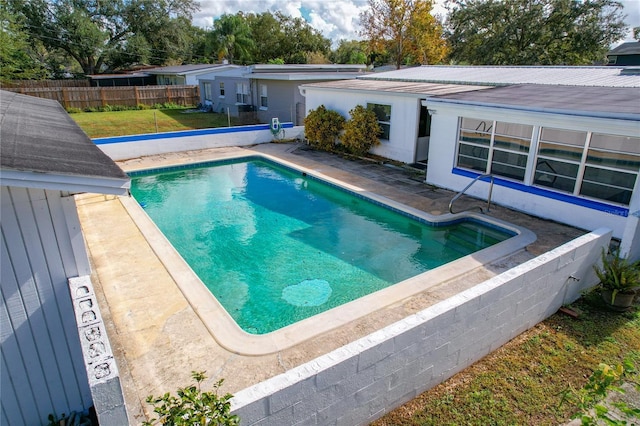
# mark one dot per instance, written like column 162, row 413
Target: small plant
column 618, row 275
column 322, row 127
column 606, row 378
column 361, row 131
column 193, row 407
column 74, row 418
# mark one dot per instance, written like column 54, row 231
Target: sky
column 335, row 19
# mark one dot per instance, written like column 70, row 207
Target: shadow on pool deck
column 157, row 337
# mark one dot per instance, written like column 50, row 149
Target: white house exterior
column 570, row 153
column 56, row 357
column 183, row 74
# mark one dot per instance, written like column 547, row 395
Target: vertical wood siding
column 42, row 369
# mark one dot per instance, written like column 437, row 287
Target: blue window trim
column 181, row 134
column 566, row 198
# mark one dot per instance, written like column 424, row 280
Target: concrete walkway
column 158, row 338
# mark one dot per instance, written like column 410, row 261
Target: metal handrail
column 459, row 194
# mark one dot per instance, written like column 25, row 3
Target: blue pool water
column 276, row 246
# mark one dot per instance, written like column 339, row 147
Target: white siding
column 42, row 366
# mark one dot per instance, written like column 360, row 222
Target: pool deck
column 158, row 338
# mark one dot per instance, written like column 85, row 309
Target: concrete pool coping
column 233, row 338
column 158, row 339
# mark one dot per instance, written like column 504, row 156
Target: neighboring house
column 271, row 91
column 552, row 148
column 45, row 158
column 183, row 74
column 625, row 54
column 124, row 79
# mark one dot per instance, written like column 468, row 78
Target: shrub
column 193, row 407
column 72, row 110
column 361, row 131
column 322, row 127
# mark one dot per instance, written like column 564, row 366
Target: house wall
column 361, row 381
column 42, row 368
column 443, row 144
column 405, row 114
column 220, row 104
column 281, row 98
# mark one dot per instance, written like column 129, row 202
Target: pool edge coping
column 230, row 336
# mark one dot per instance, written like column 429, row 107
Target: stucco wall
column 125, row 147
column 405, row 114
column 361, row 381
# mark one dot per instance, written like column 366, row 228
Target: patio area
column 158, row 338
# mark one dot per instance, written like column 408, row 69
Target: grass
column 522, row 382
column 120, row 123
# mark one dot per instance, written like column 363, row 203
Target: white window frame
column 242, row 93
column 264, row 100
column 221, row 90
column 383, row 123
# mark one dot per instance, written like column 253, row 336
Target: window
column 221, row 88
column 242, row 93
column 594, row 165
column 206, row 88
column 494, row 147
column 264, row 103
column 383, row 113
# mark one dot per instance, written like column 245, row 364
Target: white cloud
column 336, row 19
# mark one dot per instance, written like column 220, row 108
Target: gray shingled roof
column 629, row 48
column 37, row 135
column 605, row 76
column 603, row 102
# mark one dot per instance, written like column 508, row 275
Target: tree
column 350, row 52
column 16, row 56
column 404, row 28
column 94, row 33
column 231, row 39
column 533, row 32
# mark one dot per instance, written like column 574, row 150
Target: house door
column 424, row 133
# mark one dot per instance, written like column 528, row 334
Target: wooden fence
column 16, row 84
column 96, row 97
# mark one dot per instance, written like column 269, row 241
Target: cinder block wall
column 361, row 381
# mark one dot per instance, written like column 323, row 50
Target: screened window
column 494, row 147
column 242, row 93
column 264, row 102
column 383, row 113
column 221, row 88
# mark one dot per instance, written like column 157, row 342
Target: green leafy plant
column 618, row 274
column 606, row 378
column 322, row 127
column 74, row 418
column 193, row 407
column 361, row 131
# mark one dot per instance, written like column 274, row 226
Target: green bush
column 361, row 131
column 74, row 110
column 322, row 127
column 193, row 407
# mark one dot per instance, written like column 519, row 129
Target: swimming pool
column 276, row 245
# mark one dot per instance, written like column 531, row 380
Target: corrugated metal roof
column 406, row 87
column 37, row 135
column 605, row 76
column 608, row 102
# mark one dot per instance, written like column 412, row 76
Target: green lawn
column 120, row 123
column 522, row 382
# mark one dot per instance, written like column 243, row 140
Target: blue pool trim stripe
column 183, row 133
column 307, row 176
column 566, row 198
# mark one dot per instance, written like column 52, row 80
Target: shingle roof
column 629, row 48
column 605, row 76
column 604, row 102
column 37, row 135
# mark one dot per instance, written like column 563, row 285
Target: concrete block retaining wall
column 125, row 147
column 361, row 381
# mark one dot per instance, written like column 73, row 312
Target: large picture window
column 494, row 147
column 383, row 114
column 206, row 87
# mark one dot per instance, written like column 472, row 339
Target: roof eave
column 70, row 183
